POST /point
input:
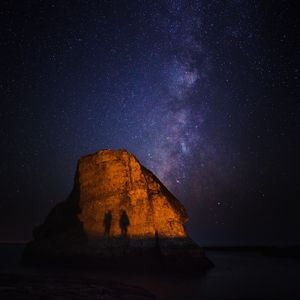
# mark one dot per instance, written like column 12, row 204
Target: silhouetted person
column 124, row 222
column 107, row 222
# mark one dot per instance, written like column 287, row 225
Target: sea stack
column 117, row 214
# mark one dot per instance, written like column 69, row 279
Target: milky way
column 177, row 142
column 176, row 132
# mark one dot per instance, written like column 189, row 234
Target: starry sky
column 204, row 93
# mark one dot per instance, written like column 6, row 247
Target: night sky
column 204, row 93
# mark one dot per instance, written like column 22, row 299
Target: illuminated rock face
column 118, row 213
column 115, row 183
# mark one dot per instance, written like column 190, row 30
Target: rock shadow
column 124, row 223
column 107, row 223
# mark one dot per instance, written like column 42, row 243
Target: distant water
column 236, row 275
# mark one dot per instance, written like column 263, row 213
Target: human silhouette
column 107, row 222
column 124, row 222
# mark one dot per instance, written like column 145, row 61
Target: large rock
column 117, row 212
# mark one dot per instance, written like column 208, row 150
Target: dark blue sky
column 204, row 93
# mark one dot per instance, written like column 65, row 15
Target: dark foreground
column 238, row 274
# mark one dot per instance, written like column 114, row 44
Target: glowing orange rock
column 118, row 212
column 115, row 182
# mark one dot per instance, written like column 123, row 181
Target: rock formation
column 117, row 210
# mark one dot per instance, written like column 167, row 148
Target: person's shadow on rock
column 124, row 223
column 107, row 222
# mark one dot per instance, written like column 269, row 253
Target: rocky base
column 119, row 253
